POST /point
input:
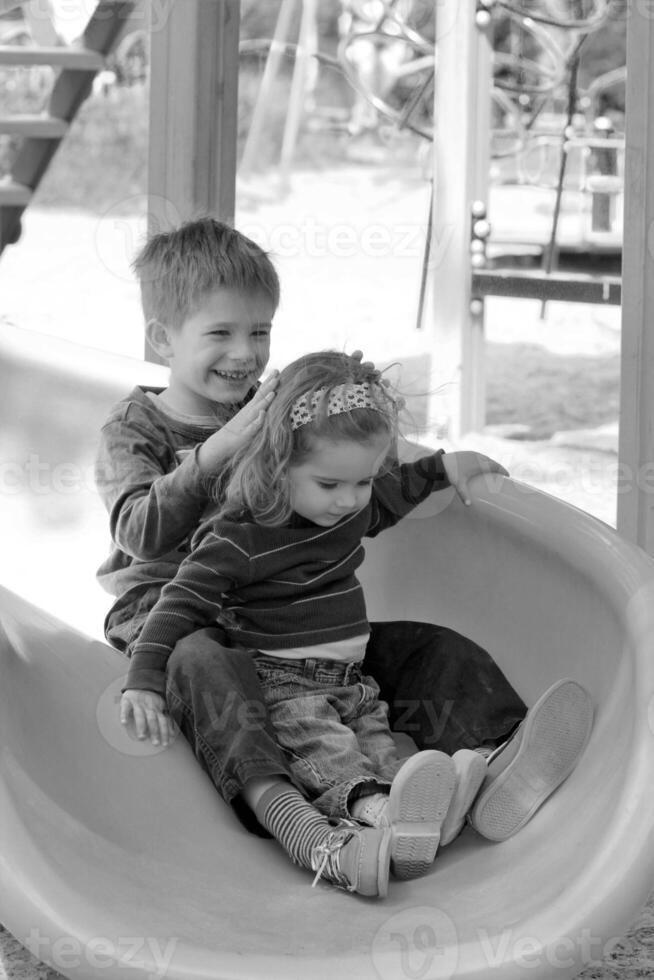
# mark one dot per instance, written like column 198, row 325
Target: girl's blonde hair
column 256, row 481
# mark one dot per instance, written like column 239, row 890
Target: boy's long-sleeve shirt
column 148, row 477
column 277, row 588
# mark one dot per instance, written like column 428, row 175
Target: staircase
column 41, row 134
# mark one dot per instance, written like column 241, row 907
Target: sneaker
column 541, row 754
column 354, row 858
column 418, row 802
column 470, row 769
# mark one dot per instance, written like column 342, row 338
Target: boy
column 209, row 295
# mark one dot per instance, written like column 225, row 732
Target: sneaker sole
column 418, row 803
column 470, row 768
column 555, row 733
column 383, row 863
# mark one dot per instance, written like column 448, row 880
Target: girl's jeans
column 332, row 728
column 442, row 689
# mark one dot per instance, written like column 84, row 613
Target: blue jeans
column 332, row 728
column 442, row 689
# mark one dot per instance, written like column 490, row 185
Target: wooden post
column 636, row 443
column 462, row 116
column 193, row 108
column 193, row 112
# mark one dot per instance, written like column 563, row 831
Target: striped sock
column 293, row 821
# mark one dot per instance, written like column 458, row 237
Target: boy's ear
column 159, row 338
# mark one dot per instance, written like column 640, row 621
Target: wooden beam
column 554, row 286
column 193, row 113
column 636, row 441
column 461, row 152
column 193, row 110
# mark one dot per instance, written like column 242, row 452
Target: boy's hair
column 256, row 481
column 177, row 268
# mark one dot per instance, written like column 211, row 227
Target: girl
column 275, row 567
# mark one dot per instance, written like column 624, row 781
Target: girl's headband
column 342, row 398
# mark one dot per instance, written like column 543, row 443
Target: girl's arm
column 462, row 466
column 192, row 600
column 401, row 487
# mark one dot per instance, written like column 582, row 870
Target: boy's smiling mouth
column 232, row 375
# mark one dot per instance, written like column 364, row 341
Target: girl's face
column 335, row 480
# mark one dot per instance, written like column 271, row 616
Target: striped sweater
column 276, row 588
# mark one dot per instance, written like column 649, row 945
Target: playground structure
column 548, row 590
column 97, row 848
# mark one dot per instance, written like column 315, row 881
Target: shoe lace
column 324, row 857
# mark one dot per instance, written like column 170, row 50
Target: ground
column 349, row 246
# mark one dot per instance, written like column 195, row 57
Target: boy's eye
column 262, row 333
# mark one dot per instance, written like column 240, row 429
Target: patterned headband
column 342, row 398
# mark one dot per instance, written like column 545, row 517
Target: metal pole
column 462, row 115
column 636, row 442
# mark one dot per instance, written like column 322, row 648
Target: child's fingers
column 268, row 387
column 140, row 721
column 125, row 711
column 166, row 728
column 155, row 729
column 253, row 424
column 461, row 487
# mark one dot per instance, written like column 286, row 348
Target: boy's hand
column 151, row 719
column 462, row 466
column 220, row 446
column 368, row 366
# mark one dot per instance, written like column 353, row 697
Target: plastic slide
column 118, row 860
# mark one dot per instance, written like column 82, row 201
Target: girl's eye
column 262, row 334
column 365, row 483
column 326, row 486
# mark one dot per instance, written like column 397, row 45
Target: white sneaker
column 470, row 768
column 541, row 754
column 418, row 802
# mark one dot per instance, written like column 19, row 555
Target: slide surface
column 118, row 860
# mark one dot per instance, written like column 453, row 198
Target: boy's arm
column 151, row 511
column 153, row 503
column 193, row 599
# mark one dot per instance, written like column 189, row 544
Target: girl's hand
column 462, row 466
column 148, row 711
column 220, row 446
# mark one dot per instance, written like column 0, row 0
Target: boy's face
column 219, row 351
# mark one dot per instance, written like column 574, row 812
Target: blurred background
column 335, row 177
